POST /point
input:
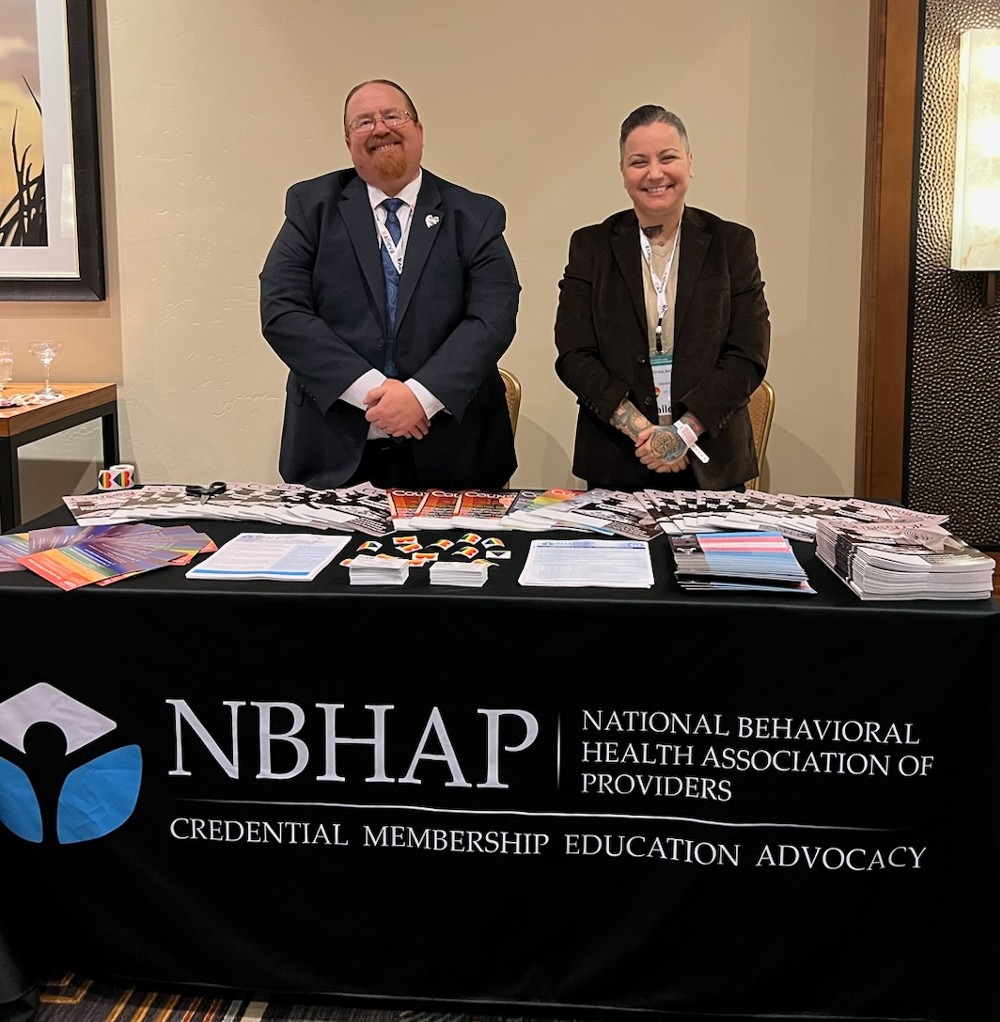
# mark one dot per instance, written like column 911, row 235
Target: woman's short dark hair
column 650, row 114
column 382, row 81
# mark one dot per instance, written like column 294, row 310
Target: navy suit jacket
column 322, row 301
column 721, row 345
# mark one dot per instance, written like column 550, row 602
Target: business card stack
column 459, row 573
column 378, row 570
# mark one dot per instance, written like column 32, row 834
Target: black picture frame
column 89, row 284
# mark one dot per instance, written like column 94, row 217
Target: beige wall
column 211, row 108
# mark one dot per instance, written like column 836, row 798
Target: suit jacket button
column 642, row 360
column 650, row 401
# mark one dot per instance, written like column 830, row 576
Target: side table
column 80, row 403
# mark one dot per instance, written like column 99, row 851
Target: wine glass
column 6, row 369
column 45, row 352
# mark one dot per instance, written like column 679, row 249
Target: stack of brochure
column 899, row 561
column 744, row 561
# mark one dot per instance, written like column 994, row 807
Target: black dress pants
column 387, row 463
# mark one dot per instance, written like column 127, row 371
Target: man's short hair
column 650, row 114
column 382, row 81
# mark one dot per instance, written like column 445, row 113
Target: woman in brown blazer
column 662, row 329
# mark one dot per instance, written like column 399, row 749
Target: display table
column 545, row 800
column 80, row 403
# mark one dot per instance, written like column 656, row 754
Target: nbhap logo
column 91, row 799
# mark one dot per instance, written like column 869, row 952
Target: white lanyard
column 659, row 283
column 395, row 252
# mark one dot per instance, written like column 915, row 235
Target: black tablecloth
column 554, row 799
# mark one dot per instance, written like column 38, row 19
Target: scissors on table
column 205, row 492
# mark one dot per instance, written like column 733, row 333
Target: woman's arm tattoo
column 629, row 419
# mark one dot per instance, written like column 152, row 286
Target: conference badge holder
column 663, row 364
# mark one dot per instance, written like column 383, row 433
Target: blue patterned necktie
column 391, row 282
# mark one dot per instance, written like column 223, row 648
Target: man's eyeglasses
column 365, row 124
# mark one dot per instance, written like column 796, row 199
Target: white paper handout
column 287, row 557
column 612, row 563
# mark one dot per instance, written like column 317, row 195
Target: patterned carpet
column 70, row 998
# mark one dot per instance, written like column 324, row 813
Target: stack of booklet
column 902, row 561
column 743, row 561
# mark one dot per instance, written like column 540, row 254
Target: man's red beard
column 390, row 163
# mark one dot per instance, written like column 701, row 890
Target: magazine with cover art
column 675, row 511
column 523, row 499
column 157, row 501
column 483, row 509
column 527, row 517
column 361, row 508
column 367, row 507
column 403, row 505
column 615, row 512
column 238, row 502
column 98, row 508
column 436, row 510
column 252, row 502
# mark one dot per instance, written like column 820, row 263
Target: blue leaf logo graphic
column 99, row 796
column 19, row 809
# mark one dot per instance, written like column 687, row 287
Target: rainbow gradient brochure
column 12, row 549
column 74, row 556
column 287, row 557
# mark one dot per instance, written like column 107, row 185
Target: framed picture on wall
column 51, row 240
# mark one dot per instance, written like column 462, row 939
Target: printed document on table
column 588, row 562
column 295, row 557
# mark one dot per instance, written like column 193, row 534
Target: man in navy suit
column 408, row 396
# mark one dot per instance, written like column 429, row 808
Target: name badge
column 663, row 365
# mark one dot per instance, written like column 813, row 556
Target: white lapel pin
column 432, row 220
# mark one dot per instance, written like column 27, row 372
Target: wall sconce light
column 975, row 235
